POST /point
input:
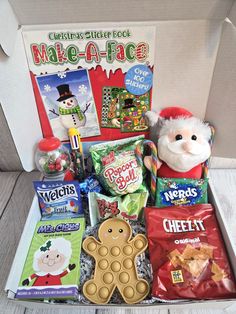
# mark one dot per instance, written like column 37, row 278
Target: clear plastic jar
column 52, row 158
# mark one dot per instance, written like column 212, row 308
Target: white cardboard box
column 195, row 67
column 22, row 250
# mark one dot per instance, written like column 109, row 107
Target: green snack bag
column 181, row 192
column 128, row 207
column 116, row 166
column 52, row 266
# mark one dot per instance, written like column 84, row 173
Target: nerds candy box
column 59, row 199
column 172, row 192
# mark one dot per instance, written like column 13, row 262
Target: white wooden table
column 224, row 182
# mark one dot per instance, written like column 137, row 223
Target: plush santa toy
column 182, row 142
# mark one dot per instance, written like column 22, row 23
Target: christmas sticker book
column 73, row 70
column 52, row 266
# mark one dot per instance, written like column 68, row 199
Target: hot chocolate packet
column 59, row 199
column 116, row 166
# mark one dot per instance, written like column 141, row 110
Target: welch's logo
column 58, row 194
column 184, row 194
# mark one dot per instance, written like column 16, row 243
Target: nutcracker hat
column 64, row 92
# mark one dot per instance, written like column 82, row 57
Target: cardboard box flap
column 18, row 102
column 221, row 108
column 232, row 14
column 8, row 27
column 55, row 11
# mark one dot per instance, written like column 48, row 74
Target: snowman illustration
column 70, row 112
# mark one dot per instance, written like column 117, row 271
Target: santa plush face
column 184, row 143
column 69, row 103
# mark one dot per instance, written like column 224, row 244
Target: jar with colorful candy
column 52, row 158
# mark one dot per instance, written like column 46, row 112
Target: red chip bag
column 187, row 253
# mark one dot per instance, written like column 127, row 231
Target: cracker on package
column 181, row 192
column 128, row 207
column 116, row 166
column 187, row 254
column 52, row 266
column 59, row 199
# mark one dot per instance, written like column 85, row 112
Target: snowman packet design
column 116, row 166
column 59, row 199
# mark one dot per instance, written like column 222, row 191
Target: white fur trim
column 152, row 117
column 193, row 123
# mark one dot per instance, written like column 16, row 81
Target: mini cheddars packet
column 171, row 192
column 59, row 199
column 128, row 207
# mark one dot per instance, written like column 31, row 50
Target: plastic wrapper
column 59, row 199
column 91, row 184
column 187, row 254
column 117, row 167
column 181, row 192
column 128, row 207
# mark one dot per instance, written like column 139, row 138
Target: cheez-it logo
column 176, row 226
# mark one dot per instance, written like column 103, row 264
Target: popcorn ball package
column 187, row 254
column 128, row 207
column 181, row 191
column 117, row 167
column 59, row 199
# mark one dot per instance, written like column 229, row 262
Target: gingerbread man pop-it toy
column 115, row 263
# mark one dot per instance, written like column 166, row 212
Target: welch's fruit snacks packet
column 116, row 166
column 59, row 199
column 174, row 191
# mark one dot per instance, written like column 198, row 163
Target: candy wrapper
column 181, row 192
column 128, row 207
column 59, row 199
column 117, row 167
column 187, row 254
column 91, row 184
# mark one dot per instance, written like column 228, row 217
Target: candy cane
column 139, row 156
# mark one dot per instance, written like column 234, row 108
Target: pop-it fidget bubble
column 115, row 263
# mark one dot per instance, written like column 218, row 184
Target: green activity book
column 52, row 266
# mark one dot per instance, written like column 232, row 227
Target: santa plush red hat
column 183, row 143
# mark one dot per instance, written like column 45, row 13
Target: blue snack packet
column 91, row 184
column 59, row 199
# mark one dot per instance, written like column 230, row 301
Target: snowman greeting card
column 69, row 103
column 98, row 80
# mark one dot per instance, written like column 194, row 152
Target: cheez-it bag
column 187, row 254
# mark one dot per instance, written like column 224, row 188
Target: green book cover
column 52, row 266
